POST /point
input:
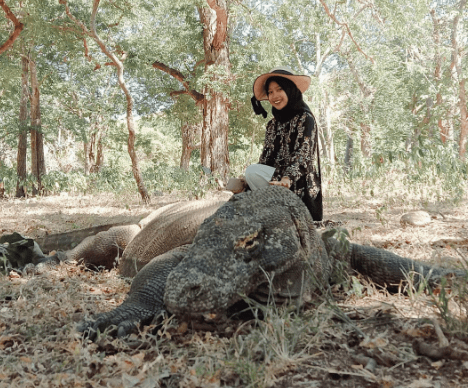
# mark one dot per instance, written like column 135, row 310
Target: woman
column 290, row 140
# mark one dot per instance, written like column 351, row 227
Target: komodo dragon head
column 256, row 236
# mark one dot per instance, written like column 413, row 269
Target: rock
column 416, row 218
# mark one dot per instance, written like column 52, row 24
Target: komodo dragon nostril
column 195, row 289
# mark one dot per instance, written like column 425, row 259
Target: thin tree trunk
column 214, row 147
column 463, row 119
column 23, row 131
column 366, row 145
column 87, row 164
column 121, row 80
column 443, row 127
column 456, row 65
column 130, row 122
column 368, row 96
column 348, row 160
column 37, row 142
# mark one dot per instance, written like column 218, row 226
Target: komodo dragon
column 259, row 243
column 164, row 229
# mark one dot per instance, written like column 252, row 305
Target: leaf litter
column 361, row 335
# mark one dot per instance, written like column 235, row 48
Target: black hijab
column 295, row 104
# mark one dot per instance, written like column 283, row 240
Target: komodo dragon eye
column 248, row 244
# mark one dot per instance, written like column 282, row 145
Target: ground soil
column 365, row 337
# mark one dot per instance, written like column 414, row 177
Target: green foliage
column 80, row 95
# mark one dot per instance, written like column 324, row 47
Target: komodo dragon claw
column 116, row 322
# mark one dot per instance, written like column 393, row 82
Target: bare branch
column 346, row 26
column 18, row 27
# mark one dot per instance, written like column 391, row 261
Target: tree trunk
column 37, row 142
column 120, row 78
column 190, row 137
column 87, row 164
column 130, row 122
column 366, row 145
column 368, row 96
column 23, row 131
column 214, row 143
column 444, row 128
column 327, row 133
column 348, row 159
column 458, row 75
column 95, row 151
column 463, row 120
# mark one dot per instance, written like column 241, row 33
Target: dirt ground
column 360, row 336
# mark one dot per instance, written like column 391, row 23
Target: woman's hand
column 285, row 182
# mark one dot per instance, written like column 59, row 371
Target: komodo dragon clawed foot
column 119, row 322
column 144, row 301
column 259, row 243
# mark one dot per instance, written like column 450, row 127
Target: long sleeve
column 301, row 157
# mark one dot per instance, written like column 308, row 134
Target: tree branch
column 18, row 27
column 346, row 26
column 198, row 97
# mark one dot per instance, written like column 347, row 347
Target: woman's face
column 277, row 96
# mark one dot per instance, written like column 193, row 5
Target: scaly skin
column 257, row 243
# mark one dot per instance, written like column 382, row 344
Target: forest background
column 124, row 103
column 95, row 96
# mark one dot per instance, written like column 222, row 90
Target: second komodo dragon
column 259, row 243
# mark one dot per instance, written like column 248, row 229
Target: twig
column 443, row 341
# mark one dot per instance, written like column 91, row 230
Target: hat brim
column 301, row 81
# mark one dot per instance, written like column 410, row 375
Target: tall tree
column 37, row 140
column 23, row 130
column 213, row 99
column 459, row 78
column 115, row 61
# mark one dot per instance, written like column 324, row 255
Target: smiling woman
column 290, row 149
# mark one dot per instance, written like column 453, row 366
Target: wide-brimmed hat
column 302, row 81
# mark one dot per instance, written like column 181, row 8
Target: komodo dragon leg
column 144, row 301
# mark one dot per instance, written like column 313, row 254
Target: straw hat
column 302, row 81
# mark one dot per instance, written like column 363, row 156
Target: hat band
column 281, row 72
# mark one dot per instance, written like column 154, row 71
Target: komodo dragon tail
column 386, row 268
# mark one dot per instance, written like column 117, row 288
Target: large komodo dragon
column 166, row 228
column 259, row 243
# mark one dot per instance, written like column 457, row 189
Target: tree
column 213, row 99
column 460, row 79
column 37, row 143
column 21, row 170
column 115, row 61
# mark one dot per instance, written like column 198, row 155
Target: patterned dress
column 290, row 148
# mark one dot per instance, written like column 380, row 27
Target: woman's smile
column 277, row 96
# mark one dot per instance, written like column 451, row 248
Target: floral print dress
column 290, row 148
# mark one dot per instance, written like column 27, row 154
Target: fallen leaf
column 183, row 327
column 378, row 342
column 422, row 383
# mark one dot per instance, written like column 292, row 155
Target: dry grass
column 357, row 336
